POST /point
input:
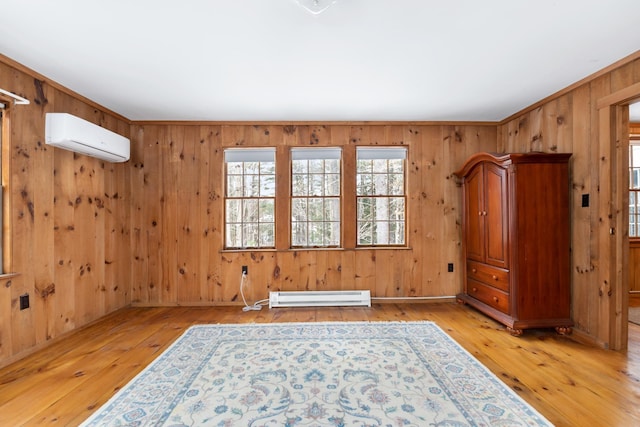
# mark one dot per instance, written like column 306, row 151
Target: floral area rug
column 316, row 374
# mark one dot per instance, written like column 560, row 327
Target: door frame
column 613, row 210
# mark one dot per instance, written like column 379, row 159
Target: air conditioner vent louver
column 319, row 298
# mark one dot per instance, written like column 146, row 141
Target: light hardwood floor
column 571, row 384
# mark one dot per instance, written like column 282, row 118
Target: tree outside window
column 315, row 197
column 380, row 196
column 250, row 198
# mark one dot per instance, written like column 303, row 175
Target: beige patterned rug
column 317, row 374
column 634, row 315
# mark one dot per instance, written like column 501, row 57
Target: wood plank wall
column 69, row 218
column 177, row 214
column 89, row 237
column 570, row 123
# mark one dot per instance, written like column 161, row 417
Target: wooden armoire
column 516, row 231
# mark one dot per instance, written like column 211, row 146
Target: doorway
column 613, row 145
column 634, row 213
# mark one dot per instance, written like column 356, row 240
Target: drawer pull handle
column 474, row 289
column 495, row 299
column 473, row 270
column 495, row 277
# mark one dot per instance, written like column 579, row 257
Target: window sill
column 359, row 248
column 383, row 248
column 8, row 276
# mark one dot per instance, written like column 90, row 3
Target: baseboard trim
column 378, row 300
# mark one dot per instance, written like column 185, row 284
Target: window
column 380, row 196
column 1, row 189
column 250, row 198
column 324, row 206
column 315, row 197
column 634, row 186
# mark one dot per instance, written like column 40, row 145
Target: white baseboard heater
column 319, row 298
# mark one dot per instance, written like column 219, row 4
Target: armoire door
column 474, row 215
column 496, row 208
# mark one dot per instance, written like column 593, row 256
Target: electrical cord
column 256, row 305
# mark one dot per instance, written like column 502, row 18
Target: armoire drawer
column 488, row 295
column 496, row 277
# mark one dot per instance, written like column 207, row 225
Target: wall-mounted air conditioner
column 72, row 133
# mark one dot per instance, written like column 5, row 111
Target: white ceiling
column 261, row 60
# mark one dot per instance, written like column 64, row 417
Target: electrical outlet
column 450, row 267
column 585, row 200
column 245, row 269
column 24, row 301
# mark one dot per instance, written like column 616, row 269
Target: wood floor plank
column 60, row 361
column 90, row 395
column 568, row 382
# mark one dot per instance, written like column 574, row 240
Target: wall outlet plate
column 24, row 301
column 585, row 200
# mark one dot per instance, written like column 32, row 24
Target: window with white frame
column 315, row 197
column 250, row 190
column 634, row 186
column 381, row 196
column 2, row 266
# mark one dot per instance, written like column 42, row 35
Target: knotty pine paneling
column 178, row 204
column 570, row 123
column 69, row 217
column 89, row 237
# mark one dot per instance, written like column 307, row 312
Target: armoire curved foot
column 514, row 332
column 564, row 330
